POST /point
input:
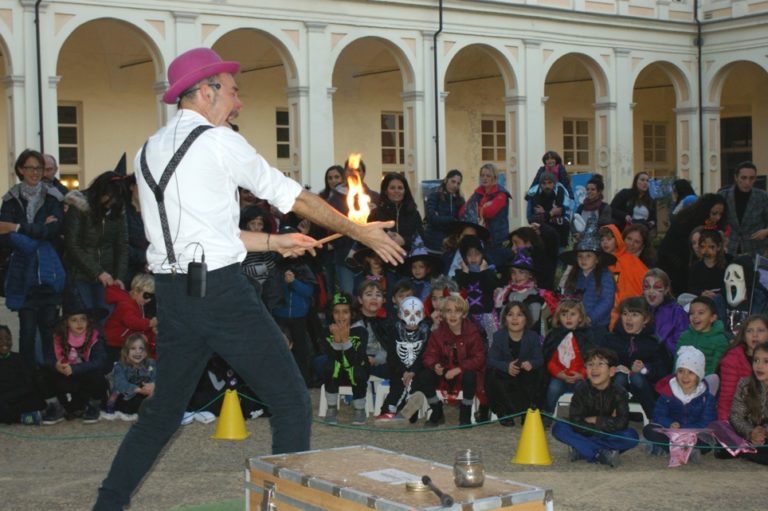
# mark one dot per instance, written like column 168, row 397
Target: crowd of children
column 479, row 323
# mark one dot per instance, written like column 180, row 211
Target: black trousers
column 508, row 395
column 75, row 390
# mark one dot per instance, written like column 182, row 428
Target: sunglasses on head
column 148, row 296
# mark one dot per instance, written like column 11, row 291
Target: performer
column 202, row 311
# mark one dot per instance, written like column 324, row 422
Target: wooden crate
column 360, row 478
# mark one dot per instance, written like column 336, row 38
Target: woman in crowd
column 31, row 219
column 637, row 241
column 594, row 203
column 682, row 195
column 442, row 210
column 635, row 205
column 396, row 203
column 489, row 205
column 675, row 251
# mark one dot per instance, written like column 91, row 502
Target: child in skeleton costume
column 404, row 356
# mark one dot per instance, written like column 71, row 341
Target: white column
column 427, row 128
column 317, row 147
column 413, row 112
column 164, row 111
column 17, row 121
column 605, row 120
column 514, row 111
column 297, row 105
column 532, row 138
column 712, row 168
column 30, row 137
column 621, row 144
column 687, row 140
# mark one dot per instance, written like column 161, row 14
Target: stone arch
column 593, row 66
column 720, row 75
column 279, row 41
column 397, row 49
column 507, row 67
column 678, row 77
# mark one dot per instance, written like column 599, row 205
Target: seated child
column 628, row 270
column 370, row 301
column 455, row 353
column 684, row 402
column 440, row 287
column 590, row 278
column 671, row 320
column 133, row 379
column 564, row 349
column 642, row 359
column 402, row 289
column 404, row 355
column 420, row 266
column 76, row 374
column 737, row 361
column 477, row 279
column 375, row 269
column 521, row 288
column 345, row 344
column 749, row 413
column 598, row 404
column 128, row 316
column 707, row 334
column 20, row 399
column 514, row 364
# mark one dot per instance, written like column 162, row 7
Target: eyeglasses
column 148, row 296
column 30, row 168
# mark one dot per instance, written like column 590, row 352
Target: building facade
column 614, row 86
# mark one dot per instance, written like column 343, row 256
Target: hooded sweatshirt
column 712, row 343
column 629, row 271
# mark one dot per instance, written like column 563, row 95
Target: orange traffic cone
column 231, row 425
column 532, row 448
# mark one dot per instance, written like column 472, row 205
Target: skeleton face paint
column 735, row 285
column 411, row 312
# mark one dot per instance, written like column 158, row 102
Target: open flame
column 357, row 200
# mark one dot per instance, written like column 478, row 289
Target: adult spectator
column 137, row 240
column 31, row 218
column 709, row 211
column 96, row 239
column 443, row 207
column 489, row 205
column 594, row 203
column 49, row 175
column 747, row 212
column 334, row 176
column 637, row 241
column 198, row 207
column 635, row 205
column 554, row 163
column 396, row 203
column 682, row 195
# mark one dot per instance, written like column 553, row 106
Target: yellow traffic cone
column 532, row 448
column 231, row 425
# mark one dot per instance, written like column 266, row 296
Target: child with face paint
column 671, row 318
column 133, row 378
column 404, row 356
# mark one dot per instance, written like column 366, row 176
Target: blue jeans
column 640, row 388
column 589, row 446
column 92, row 295
column 557, row 388
column 37, row 316
column 233, row 322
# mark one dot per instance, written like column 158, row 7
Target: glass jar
column 468, row 469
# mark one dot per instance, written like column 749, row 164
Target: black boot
column 436, row 417
column 483, row 414
column 465, row 415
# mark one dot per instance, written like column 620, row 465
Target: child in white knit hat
column 685, row 401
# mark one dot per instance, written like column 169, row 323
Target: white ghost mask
column 735, row 285
column 411, row 311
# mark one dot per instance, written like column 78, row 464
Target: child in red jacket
column 455, row 352
column 128, row 316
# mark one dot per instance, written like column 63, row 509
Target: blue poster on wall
column 579, row 184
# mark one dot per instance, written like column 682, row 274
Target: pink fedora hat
column 192, row 66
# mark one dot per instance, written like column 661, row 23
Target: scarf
column 34, row 195
column 75, row 342
column 677, row 391
column 565, row 351
column 592, row 204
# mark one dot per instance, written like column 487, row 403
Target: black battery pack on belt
column 196, row 275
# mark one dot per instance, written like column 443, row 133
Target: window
column 493, row 139
column 575, row 142
column 654, row 144
column 735, row 145
column 283, row 133
column 392, row 139
column 70, row 138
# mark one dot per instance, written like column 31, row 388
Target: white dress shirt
column 201, row 198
